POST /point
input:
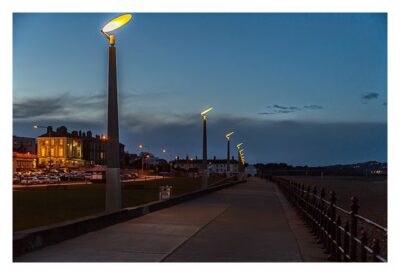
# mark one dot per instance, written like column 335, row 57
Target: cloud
column 370, row 96
column 384, row 103
column 37, row 107
column 64, row 107
column 313, row 107
column 266, row 113
column 279, row 109
column 286, row 108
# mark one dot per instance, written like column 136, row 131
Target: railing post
column 375, row 250
column 331, row 224
column 326, row 229
column 321, row 217
column 302, row 200
column 364, row 242
column 353, row 228
column 314, row 212
column 346, row 242
column 308, row 205
column 338, row 239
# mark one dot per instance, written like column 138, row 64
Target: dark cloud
column 286, row 108
column 62, row 107
column 313, row 107
column 293, row 142
column 384, row 103
column 278, row 109
column 266, row 113
column 370, row 96
column 34, row 107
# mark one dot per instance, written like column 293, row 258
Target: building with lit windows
column 59, row 148
column 215, row 166
column 23, row 161
column 63, row 149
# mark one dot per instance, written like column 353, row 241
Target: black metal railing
column 345, row 235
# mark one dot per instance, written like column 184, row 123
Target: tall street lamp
column 204, row 164
column 113, row 184
column 141, row 146
column 228, row 155
column 239, row 156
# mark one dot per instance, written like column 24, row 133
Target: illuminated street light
column 142, row 146
column 204, row 164
column 203, row 114
column 240, row 161
column 228, row 155
column 113, row 25
column 113, row 183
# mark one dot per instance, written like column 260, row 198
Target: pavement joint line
column 194, row 234
column 133, row 252
column 281, row 202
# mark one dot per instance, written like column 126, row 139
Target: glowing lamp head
column 141, row 146
column 164, row 150
column 115, row 24
column 239, row 145
column 203, row 114
column 35, row 126
column 228, row 135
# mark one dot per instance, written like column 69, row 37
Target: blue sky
column 297, row 88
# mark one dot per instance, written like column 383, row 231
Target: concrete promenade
column 249, row 222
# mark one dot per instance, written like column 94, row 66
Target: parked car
column 42, row 179
column 54, row 179
column 29, row 180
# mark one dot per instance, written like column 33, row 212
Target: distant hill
column 358, row 169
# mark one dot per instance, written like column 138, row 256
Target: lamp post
column 113, row 184
column 141, row 146
column 228, row 155
column 49, row 130
column 204, row 164
column 239, row 157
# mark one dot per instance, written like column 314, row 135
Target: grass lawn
column 39, row 206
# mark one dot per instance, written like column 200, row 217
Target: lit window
column 61, row 142
column 60, row 152
column 52, row 152
column 52, row 142
column 43, row 153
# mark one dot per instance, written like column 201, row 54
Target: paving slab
column 249, row 222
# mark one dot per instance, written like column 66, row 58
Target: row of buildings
column 215, row 166
column 63, row 149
